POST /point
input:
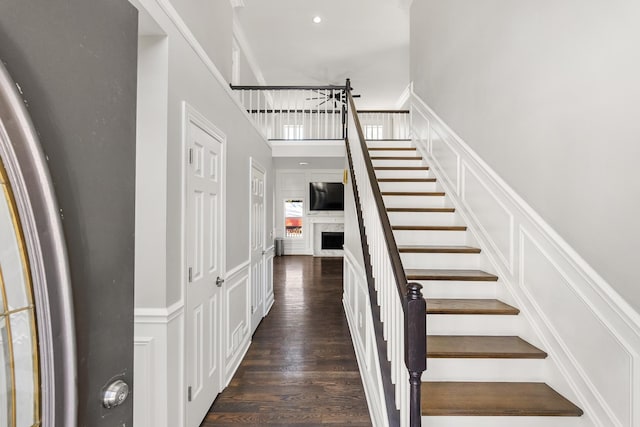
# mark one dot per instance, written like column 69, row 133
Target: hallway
column 301, row 368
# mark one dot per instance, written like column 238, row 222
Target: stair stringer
column 594, row 352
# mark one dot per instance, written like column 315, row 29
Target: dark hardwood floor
column 301, row 368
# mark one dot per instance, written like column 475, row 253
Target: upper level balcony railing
column 296, row 112
column 315, row 113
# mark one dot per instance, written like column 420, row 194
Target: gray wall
column 547, row 93
column 75, row 61
column 211, row 23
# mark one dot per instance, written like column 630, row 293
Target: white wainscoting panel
column 497, row 221
column 158, row 368
column 144, row 369
column 358, row 313
column 565, row 311
column 237, row 318
column 268, row 279
column 591, row 334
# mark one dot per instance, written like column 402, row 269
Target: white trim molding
column 158, row 344
column 236, row 334
column 591, row 334
column 357, row 308
column 170, row 12
column 404, row 97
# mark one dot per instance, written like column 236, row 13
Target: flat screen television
column 326, row 196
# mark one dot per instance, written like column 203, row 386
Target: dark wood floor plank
column 301, row 368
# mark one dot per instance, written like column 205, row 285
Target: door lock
column 219, row 282
column 115, row 394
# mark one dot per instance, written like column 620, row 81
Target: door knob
column 219, row 282
column 115, row 394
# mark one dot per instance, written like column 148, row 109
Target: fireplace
column 332, row 240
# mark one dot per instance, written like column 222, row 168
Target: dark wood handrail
column 392, row 247
column 410, row 294
column 383, row 111
column 307, row 111
column 257, row 87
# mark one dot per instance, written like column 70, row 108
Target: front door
column 203, row 256
column 257, row 245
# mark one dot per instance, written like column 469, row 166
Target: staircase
column 479, row 370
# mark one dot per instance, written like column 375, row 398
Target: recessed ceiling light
column 317, row 20
column 303, row 163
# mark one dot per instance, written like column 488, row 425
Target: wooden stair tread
column 469, row 306
column 447, row 274
column 406, row 180
column 478, row 346
column 429, row 227
column 396, row 157
column 401, row 168
column 413, row 193
column 439, row 210
column 389, row 139
column 494, row 399
column 392, row 148
column 438, row 249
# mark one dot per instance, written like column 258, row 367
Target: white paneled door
column 257, row 245
column 204, row 270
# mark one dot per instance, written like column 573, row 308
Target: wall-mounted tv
column 326, row 196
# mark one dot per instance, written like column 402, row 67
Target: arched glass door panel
column 19, row 366
column 37, row 344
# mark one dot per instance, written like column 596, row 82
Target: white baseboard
column 591, row 334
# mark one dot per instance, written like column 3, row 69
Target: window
column 293, row 132
column 293, row 210
column 373, row 131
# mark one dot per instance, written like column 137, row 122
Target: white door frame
column 191, row 115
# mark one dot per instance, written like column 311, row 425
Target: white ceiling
column 365, row 40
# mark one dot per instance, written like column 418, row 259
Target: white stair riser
column 423, row 218
column 413, row 237
column 414, row 201
column 501, row 370
column 505, row 421
column 474, row 324
column 409, row 186
column 420, row 173
column 453, row 289
column 440, row 260
column 394, row 153
column 390, row 143
column 398, row 163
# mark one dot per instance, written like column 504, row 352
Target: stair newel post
column 345, row 105
column 415, row 339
